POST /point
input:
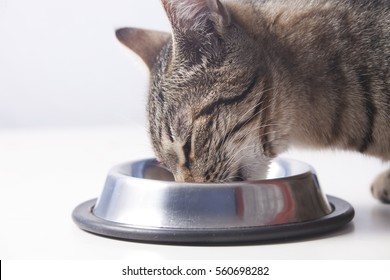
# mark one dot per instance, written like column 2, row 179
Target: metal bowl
column 141, row 202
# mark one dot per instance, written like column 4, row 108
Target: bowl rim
column 116, row 171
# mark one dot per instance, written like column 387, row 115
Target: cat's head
column 208, row 108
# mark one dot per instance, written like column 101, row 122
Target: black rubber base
column 342, row 214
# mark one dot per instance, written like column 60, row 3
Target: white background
column 72, row 105
column 61, row 65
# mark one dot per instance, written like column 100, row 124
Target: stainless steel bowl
column 140, row 201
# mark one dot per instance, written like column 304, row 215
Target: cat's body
column 242, row 80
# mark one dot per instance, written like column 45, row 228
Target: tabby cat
column 239, row 81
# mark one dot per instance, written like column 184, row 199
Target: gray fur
column 240, row 81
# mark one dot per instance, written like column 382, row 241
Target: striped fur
column 242, row 80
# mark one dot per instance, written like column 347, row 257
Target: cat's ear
column 192, row 14
column 197, row 26
column 147, row 44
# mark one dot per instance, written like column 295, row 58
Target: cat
column 239, row 81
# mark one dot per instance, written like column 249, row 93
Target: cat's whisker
column 244, row 124
column 235, row 171
column 234, row 161
column 238, row 122
column 257, row 129
column 244, row 137
column 233, row 158
column 250, row 119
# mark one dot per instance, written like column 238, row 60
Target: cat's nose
column 187, row 178
column 183, row 179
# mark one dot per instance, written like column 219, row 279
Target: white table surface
column 45, row 173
